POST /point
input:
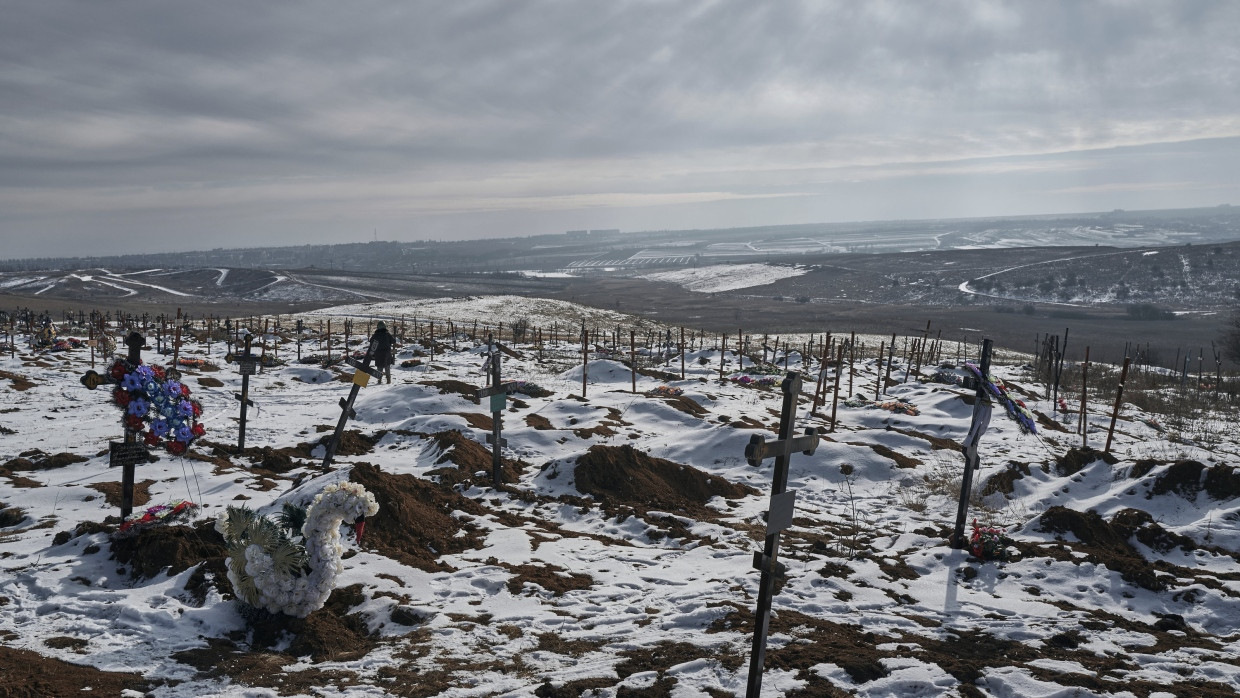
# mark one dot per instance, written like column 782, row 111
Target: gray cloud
column 128, row 121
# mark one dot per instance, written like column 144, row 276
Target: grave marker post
column 878, row 369
column 633, row 358
column 247, row 365
column 1119, row 399
column 682, row 353
column 360, row 379
column 585, row 357
column 972, row 461
column 835, row 397
column 176, row 342
column 498, row 393
column 1082, row 422
column 130, row 452
column 778, row 518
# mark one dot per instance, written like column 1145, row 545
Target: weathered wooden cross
column 360, row 379
column 247, row 365
column 779, row 516
column 498, row 392
column 972, row 461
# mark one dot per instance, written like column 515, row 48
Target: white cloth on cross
column 981, row 421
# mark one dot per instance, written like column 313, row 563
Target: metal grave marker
column 779, row 516
column 126, row 455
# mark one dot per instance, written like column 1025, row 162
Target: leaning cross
column 779, row 516
column 360, row 379
column 498, row 392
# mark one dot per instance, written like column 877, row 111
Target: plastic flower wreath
column 1016, row 410
column 155, row 409
column 988, row 542
column 665, row 391
column 163, row 513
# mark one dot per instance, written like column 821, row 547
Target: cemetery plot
column 618, row 552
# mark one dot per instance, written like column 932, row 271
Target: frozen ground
column 726, row 277
column 616, row 558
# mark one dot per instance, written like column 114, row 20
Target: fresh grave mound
column 112, row 492
column 625, row 476
column 415, row 523
column 1184, row 478
column 1076, row 459
column 462, row 388
column 687, row 405
column 28, row 673
column 470, row 457
column 152, row 549
column 1104, row 543
column 35, row 459
column 328, row 634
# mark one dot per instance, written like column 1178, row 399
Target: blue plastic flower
column 168, row 411
column 159, row 427
column 184, row 434
column 172, row 388
column 138, row 407
column 151, row 387
column 145, row 372
column 131, row 382
column 185, row 408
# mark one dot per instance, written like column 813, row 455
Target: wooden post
column 971, row 460
column 835, row 399
column 878, row 369
column 852, row 362
column 682, row 352
column 779, row 517
column 1119, row 397
column 585, row 358
column 633, row 358
column 329, row 340
column 891, row 353
column 723, row 350
column 1082, row 423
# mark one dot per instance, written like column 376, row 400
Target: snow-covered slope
column 616, row 558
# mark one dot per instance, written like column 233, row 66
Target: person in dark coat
column 381, row 348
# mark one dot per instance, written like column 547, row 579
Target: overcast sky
column 128, row 126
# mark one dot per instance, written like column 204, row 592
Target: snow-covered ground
column 726, row 277
column 598, row 569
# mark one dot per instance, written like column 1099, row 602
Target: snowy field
column 616, row 558
column 726, row 277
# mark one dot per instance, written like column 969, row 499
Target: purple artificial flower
column 185, row 409
column 138, row 407
column 159, row 427
column 184, row 434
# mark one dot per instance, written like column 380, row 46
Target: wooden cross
column 498, row 392
column 360, row 379
column 972, row 461
column 247, row 365
column 779, row 516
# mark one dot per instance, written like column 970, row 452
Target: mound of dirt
column 554, row 579
column 470, row 457
column 1005, row 481
column 687, row 405
column 35, row 459
column 173, row 548
column 1185, row 479
column 1076, row 459
column 28, row 673
column 539, row 422
column 209, row 382
column 1105, row 544
column 112, row 492
column 328, row 634
column 415, row 523
column 623, row 475
column 461, row 388
column 1141, row 525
